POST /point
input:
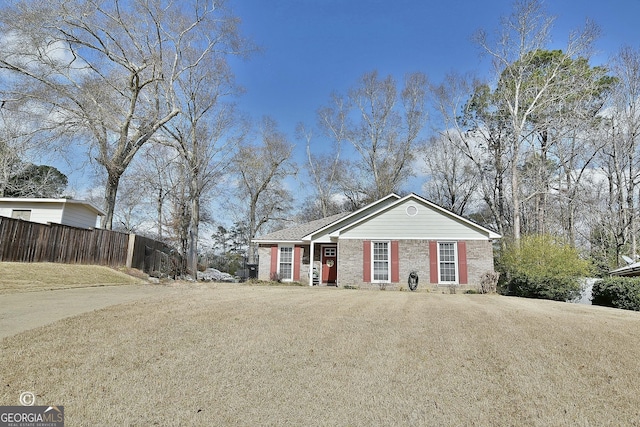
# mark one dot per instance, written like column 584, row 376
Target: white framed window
column 24, row 214
column 381, row 261
column 448, row 262
column 330, row 251
column 285, row 263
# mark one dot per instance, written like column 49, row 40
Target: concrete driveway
column 23, row 311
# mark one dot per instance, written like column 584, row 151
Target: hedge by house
column 541, row 266
column 617, row 292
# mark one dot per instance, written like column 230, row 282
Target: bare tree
column 522, row 88
column 621, row 155
column 105, row 70
column 17, row 141
column 158, row 166
column 383, row 133
column 569, row 141
column 203, row 136
column 469, row 122
column 262, row 169
column 453, row 183
column 324, row 170
column 146, row 208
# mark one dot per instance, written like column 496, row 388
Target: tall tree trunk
column 500, row 189
column 159, row 212
column 631, row 206
column 192, row 257
column 251, row 256
column 110, row 194
column 515, row 197
column 570, row 220
column 543, row 191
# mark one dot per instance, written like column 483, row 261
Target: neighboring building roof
column 337, row 223
column 627, row 270
column 297, row 232
column 89, row 205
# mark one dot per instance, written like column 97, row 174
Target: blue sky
column 312, row 48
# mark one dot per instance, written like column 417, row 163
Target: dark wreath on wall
column 413, row 280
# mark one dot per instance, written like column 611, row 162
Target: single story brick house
column 74, row 213
column 379, row 246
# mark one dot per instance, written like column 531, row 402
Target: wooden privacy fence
column 154, row 257
column 24, row 241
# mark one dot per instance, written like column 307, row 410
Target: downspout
column 311, row 262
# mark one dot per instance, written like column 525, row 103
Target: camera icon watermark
column 27, row 398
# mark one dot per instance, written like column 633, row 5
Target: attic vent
column 412, row 210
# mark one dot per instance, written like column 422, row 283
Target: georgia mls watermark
column 29, row 415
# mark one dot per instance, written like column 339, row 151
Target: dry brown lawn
column 246, row 355
column 26, row 277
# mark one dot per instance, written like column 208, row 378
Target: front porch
column 325, row 264
column 314, row 264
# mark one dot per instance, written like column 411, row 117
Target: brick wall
column 349, row 262
column 479, row 260
column 305, row 266
column 413, row 255
column 264, row 262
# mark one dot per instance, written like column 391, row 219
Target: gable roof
column 336, row 224
column 297, row 232
column 354, row 216
column 489, row 233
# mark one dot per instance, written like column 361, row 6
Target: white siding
column 77, row 215
column 324, row 237
column 40, row 212
column 56, row 211
column 427, row 223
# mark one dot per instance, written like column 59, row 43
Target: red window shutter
column 433, row 261
column 395, row 262
column 366, row 261
column 274, row 260
column 296, row 263
column 462, row 263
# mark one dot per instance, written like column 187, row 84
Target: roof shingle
column 297, row 232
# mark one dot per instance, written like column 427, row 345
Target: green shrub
column 541, row 266
column 544, row 287
column 617, row 292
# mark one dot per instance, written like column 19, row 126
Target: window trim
column 373, row 261
column 332, row 249
column 280, row 247
column 455, row 263
column 23, row 214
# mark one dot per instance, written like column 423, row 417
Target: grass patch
column 265, row 355
column 257, row 282
column 29, row 277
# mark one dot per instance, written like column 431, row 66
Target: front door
column 329, row 264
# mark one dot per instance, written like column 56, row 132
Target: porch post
column 311, row 263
